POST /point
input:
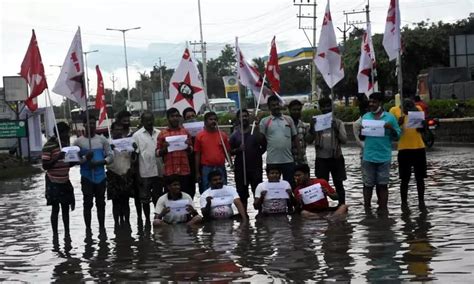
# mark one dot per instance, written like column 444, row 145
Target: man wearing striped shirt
column 59, row 191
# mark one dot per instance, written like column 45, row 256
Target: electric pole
column 312, row 27
column 161, row 80
column 113, row 79
column 203, row 54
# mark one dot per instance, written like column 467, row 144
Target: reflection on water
column 404, row 245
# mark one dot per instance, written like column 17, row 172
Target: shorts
column 151, row 188
column 335, row 166
column 412, row 158
column 119, row 186
column 375, row 173
column 62, row 193
column 90, row 189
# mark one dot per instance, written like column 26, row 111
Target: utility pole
column 203, row 53
column 113, row 79
column 344, row 31
column 313, row 17
column 161, row 80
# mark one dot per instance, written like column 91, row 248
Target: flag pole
column 242, row 136
column 399, row 74
column 258, row 102
column 54, row 119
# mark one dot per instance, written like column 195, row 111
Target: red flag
column 32, row 70
column 392, row 38
column 273, row 69
column 100, row 97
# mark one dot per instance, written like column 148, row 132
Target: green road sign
column 12, row 128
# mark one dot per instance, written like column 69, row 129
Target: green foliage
column 441, row 108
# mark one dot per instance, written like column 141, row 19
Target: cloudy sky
column 166, row 26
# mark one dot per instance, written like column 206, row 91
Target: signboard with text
column 16, row 88
column 13, row 128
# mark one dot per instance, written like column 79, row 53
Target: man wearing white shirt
column 264, row 201
column 175, row 206
column 216, row 201
column 150, row 167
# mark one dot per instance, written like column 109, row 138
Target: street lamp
column 126, row 63
column 87, row 73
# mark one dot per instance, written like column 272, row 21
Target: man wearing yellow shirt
column 411, row 153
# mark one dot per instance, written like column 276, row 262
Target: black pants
column 253, row 179
column 90, row 191
column 337, row 168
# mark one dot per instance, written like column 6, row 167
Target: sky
column 167, row 25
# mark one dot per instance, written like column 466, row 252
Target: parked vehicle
column 429, row 133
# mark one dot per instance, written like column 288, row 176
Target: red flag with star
column 273, row 69
column 100, row 97
column 328, row 57
column 186, row 89
column 32, row 70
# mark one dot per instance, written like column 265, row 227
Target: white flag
column 391, row 38
column 250, row 77
column 328, row 58
column 186, row 88
column 367, row 75
column 70, row 82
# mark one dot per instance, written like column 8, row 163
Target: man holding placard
column 211, row 146
column 59, row 190
column 95, row 154
column 328, row 134
column 311, row 195
column 120, row 176
column 216, row 202
column 189, row 118
column 379, row 129
column 175, row 206
column 150, row 167
column 171, row 142
column 411, row 149
column 273, row 196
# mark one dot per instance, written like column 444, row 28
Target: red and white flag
column 328, row 58
column 367, row 75
column 32, row 70
column 272, row 71
column 100, row 97
column 391, row 38
column 250, row 77
column 70, row 82
column 186, row 89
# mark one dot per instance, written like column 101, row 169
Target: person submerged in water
column 269, row 198
column 216, row 202
column 311, row 195
column 175, row 206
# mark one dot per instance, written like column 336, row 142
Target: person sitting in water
column 269, row 196
column 311, row 194
column 216, row 201
column 175, row 206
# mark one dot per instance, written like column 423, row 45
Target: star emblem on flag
column 185, row 90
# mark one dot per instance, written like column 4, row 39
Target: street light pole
column 123, row 31
column 87, row 73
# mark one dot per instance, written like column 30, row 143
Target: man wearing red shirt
column 176, row 162
column 306, row 195
column 210, row 153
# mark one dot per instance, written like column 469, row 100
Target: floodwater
column 435, row 246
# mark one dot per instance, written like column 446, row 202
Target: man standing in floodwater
column 150, row 167
column 377, row 155
column 280, row 132
column 93, row 179
column 59, row 190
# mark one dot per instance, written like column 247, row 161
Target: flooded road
column 437, row 245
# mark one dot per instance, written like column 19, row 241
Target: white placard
column 72, row 154
column 415, row 119
column 276, row 190
column 177, row 143
column 221, row 197
column 193, row 128
column 323, row 121
column 177, row 207
column 374, row 128
column 123, row 144
column 312, row 194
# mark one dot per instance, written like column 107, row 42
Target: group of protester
column 154, row 172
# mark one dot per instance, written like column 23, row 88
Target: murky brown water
column 436, row 246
